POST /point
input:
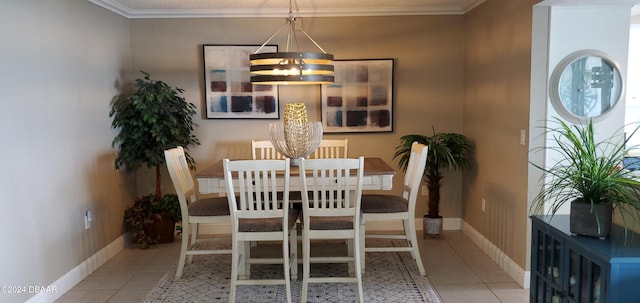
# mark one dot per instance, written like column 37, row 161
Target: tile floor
column 458, row 269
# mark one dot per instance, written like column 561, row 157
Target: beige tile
column 129, row 296
column 466, row 293
column 485, row 268
column 452, row 274
column 104, row 280
column 122, row 265
column 509, row 292
column 438, row 252
column 129, row 259
column 143, row 280
column 445, row 266
column 443, row 260
column 461, row 244
column 161, row 264
column 87, row 296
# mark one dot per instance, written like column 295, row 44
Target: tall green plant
column 446, row 151
column 587, row 170
column 150, row 119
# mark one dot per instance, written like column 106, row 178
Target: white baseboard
column 447, row 224
column 77, row 274
column 509, row 266
column 450, row 224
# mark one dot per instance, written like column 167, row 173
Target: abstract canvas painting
column 229, row 93
column 360, row 99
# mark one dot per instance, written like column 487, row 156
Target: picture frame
column 229, row 93
column 361, row 98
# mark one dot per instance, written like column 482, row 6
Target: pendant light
column 291, row 67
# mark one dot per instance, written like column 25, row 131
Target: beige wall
column 496, row 109
column 59, row 63
column 428, row 53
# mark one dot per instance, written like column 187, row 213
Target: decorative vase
column 161, row 228
column 431, row 226
column 590, row 220
column 295, row 137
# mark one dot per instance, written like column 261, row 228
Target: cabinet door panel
column 547, row 283
column 585, row 279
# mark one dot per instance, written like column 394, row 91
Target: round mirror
column 585, row 84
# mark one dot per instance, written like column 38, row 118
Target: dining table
column 377, row 175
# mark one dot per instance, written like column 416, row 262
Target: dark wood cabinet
column 577, row 269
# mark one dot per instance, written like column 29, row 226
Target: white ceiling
column 280, row 8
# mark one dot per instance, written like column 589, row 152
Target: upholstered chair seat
column 268, row 224
column 373, row 203
column 218, row 206
column 331, row 223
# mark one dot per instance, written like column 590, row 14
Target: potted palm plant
column 150, row 118
column 589, row 175
column 446, row 151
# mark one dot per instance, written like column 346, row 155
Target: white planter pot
column 431, row 226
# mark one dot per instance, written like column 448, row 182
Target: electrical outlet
column 483, row 204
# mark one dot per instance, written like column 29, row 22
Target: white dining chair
column 263, row 149
column 194, row 211
column 331, row 149
column 258, row 215
column 331, row 210
column 378, row 207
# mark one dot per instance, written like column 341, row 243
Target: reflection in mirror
column 585, row 84
column 586, row 87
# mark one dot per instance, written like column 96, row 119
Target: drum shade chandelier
column 291, row 67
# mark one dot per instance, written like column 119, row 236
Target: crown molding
column 119, row 8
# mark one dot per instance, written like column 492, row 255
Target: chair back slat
column 258, row 187
column 181, row 178
column 331, row 190
column 331, row 149
column 264, row 150
column 179, row 169
column 414, row 174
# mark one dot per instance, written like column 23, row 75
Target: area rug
column 389, row 277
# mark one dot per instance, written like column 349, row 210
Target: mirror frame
column 554, row 84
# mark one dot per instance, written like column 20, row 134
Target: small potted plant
column 589, row 175
column 152, row 220
column 151, row 118
column 446, row 151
